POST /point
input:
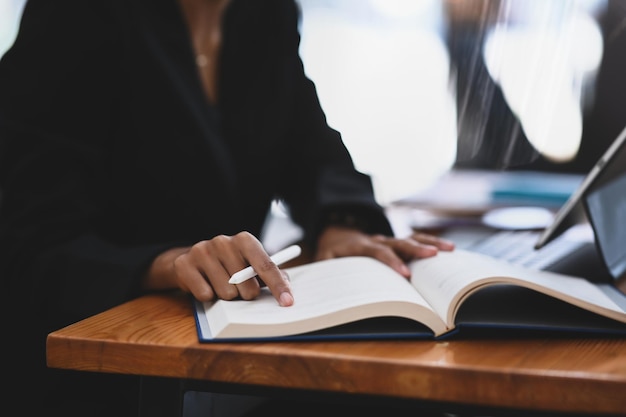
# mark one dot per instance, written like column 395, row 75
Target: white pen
column 278, row 258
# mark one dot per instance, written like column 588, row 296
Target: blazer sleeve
column 321, row 184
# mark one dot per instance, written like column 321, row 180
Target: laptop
column 586, row 237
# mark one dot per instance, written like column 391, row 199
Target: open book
column 360, row 297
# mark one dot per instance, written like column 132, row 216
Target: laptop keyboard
column 517, row 247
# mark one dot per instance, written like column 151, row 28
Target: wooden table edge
column 155, row 335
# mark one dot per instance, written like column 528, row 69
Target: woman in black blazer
column 141, row 144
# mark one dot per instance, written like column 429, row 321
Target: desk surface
column 156, row 336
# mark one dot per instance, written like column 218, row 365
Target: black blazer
column 111, row 152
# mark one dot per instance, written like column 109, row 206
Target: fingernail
column 430, row 250
column 404, row 270
column 447, row 245
column 285, row 299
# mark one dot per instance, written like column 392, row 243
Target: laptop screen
column 610, row 165
column 606, row 210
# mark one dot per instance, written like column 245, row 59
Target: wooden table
column 155, row 336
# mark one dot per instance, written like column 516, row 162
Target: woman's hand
column 205, row 268
column 336, row 241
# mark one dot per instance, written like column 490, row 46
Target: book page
column 326, row 293
column 446, row 279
